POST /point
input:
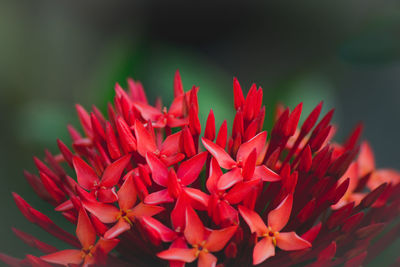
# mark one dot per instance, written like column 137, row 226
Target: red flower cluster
column 149, row 193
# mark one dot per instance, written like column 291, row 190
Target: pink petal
column 104, row 212
column 144, row 210
column 178, row 254
column 120, row 227
column 217, row 239
column 291, row 241
column 278, row 218
column 190, row 169
column 223, row 158
column 178, row 214
column 158, row 197
column 229, row 179
column 107, row 195
column 113, row 172
column 158, row 169
column 127, row 194
column 66, row 205
column 85, row 174
column 171, row 160
column 84, row 230
column 257, row 142
column 64, row 257
column 206, row 260
column 194, row 230
column 263, row 250
column 175, row 122
column 266, row 174
column 145, row 141
column 253, row 220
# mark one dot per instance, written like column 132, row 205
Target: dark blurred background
column 57, row 53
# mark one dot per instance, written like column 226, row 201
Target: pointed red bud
column 84, row 118
column 112, row 142
column 222, row 135
column 237, row 94
column 352, row 222
column 369, row 199
column 128, row 142
column 352, row 141
column 209, row 132
column 305, row 160
column 311, row 119
column 294, row 120
column 178, row 87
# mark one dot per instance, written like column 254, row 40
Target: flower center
column 200, row 247
column 87, row 252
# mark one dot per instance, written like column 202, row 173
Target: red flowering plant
column 150, row 189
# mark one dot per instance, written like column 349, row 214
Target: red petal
column 158, row 169
column 85, row 174
column 230, row 178
column 217, row 239
column 170, row 146
column 194, row 230
column 206, row 260
column 199, row 199
column 106, row 245
column 223, row 158
column 257, row 142
column 136, row 91
column 266, row 174
column 113, row 172
column 178, row 87
column 120, row 227
column 253, row 220
column 144, row 210
column 127, row 194
column 107, row 195
column 145, row 141
column 84, row 230
column 278, row 218
column 215, row 173
column 64, row 257
column 291, row 241
column 240, row 191
column 190, row 169
column 263, row 250
column 249, row 165
column 104, row 212
column 148, row 112
column 178, row 214
column 178, row 254
column 151, row 224
column 158, row 197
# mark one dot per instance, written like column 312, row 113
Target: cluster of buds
column 148, row 188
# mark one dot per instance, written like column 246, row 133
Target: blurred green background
column 57, row 53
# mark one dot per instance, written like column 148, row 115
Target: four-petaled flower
column 202, row 240
column 127, row 212
column 90, row 250
column 270, row 235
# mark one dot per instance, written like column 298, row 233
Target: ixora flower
column 148, row 188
